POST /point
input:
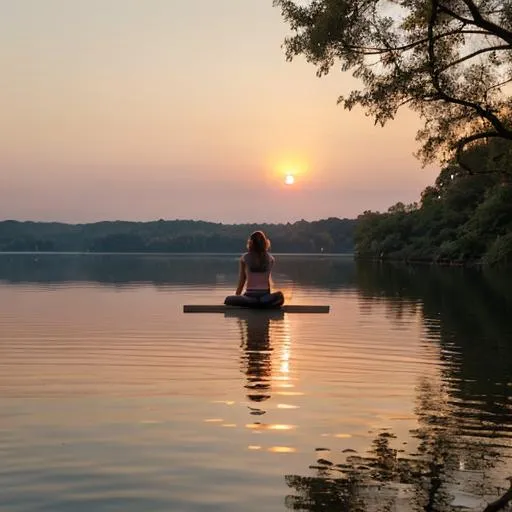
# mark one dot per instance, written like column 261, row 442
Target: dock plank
column 287, row 308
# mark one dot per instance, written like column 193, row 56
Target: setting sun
column 289, row 179
column 289, row 171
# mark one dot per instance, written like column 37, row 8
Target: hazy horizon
column 172, row 220
column 119, row 110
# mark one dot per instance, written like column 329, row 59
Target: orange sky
column 122, row 109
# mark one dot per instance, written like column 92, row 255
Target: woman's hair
column 258, row 243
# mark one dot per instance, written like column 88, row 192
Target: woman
column 255, row 269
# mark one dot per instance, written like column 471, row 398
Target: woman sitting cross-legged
column 255, row 268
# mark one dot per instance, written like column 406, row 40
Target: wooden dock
column 287, row 308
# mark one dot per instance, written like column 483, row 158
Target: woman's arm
column 241, row 278
column 271, row 266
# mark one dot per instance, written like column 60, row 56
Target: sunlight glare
column 289, row 179
column 289, row 170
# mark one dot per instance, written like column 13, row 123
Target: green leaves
column 462, row 218
column 447, row 60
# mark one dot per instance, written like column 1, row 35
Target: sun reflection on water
column 266, row 426
column 285, row 348
column 282, row 449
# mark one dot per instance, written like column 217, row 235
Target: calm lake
column 112, row 399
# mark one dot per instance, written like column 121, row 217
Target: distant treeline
column 465, row 218
column 331, row 235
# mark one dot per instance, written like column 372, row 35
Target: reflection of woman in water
column 256, row 358
column 255, row 269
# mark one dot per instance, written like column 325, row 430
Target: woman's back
column 258, row 268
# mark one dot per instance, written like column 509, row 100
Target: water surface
column 113, row 399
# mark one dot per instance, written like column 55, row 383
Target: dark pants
column 256, row 299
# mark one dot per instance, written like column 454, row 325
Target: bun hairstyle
column 258, row 243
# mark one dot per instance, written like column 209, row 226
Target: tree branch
column 474, row 54
column 434, row 74
column 453, row 14
column 375, row 50
column 481, row 22
column 501, row 84
column 404, row 102
column 501, row 502
column 462, row 143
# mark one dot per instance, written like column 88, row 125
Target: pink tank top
column 258, row 272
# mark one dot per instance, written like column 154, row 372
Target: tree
column 463, row 218
column 448, row 60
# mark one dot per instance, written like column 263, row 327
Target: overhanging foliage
column 448, row 60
